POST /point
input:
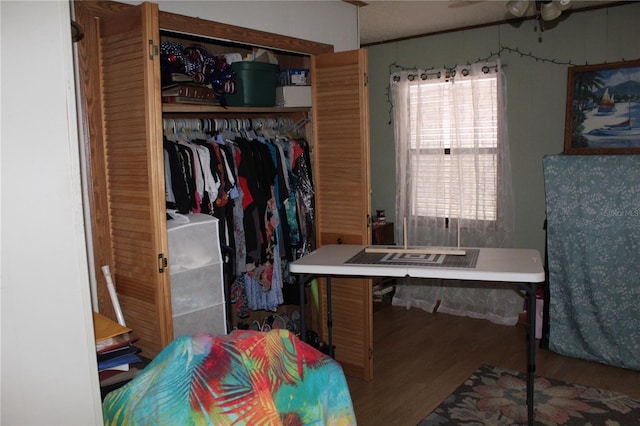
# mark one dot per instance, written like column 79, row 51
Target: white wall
column 327, row 21
column 48, row 367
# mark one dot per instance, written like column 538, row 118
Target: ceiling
column 382, row 21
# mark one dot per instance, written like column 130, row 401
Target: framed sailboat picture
column 603, row 109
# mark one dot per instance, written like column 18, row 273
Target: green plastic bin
column 255, row 84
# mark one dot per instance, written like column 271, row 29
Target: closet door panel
column 92, row 138
column 352, row 326
column 341, row 166
column 131, row 103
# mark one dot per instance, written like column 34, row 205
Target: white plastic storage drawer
column 214, row 317
column 193, row 242
column 196, row 289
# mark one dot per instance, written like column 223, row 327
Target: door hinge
column 153, row 50
column 366, row 79
column 162, row 263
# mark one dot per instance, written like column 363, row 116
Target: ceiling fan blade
column 356, row 2
column 463, row 3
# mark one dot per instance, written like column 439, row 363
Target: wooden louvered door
column 130, row 80
column 121, row 104
column 342, row 181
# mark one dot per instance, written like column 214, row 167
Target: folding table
column 522, row 267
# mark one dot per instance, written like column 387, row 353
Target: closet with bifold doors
column 124, row 119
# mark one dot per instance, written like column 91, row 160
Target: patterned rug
column 495, row 396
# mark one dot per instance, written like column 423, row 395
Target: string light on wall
column 546, row 10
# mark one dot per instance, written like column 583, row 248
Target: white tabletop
column 493, row 264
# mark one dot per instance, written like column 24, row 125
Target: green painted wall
column 536, row 92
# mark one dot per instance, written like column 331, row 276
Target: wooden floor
column 420, row 358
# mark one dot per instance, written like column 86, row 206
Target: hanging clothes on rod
column 254, row 175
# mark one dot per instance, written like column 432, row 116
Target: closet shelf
column 191, row 108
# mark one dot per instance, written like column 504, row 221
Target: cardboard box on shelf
column 293, row 96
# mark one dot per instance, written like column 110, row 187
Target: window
column 453, row 148
column 453, row 175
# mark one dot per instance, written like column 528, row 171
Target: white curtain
column 453, row 177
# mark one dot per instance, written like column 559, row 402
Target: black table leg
column 302, row 279
column 329, row 318
column 303, row 325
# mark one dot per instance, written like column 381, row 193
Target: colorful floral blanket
column 244, row 378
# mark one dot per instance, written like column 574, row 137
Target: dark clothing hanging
column 270, row 181
column 181, row 177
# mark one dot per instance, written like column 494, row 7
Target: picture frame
column 603, row 109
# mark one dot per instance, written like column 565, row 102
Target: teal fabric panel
column 593, row 247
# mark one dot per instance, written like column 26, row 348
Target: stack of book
column 118, row 361
column 189, row 93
